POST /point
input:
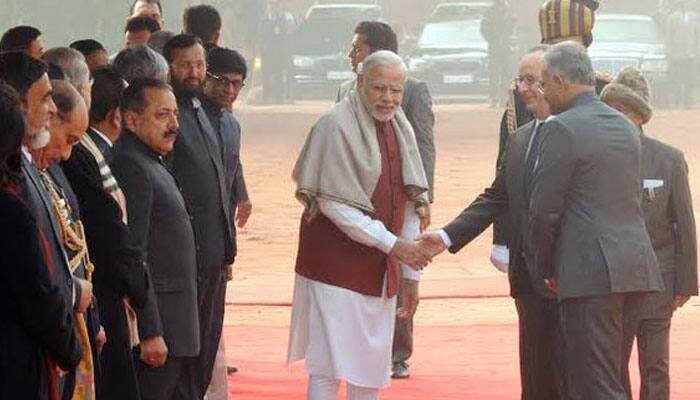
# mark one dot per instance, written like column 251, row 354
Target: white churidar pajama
column 342, row 334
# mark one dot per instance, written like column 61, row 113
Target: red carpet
column 476, row 362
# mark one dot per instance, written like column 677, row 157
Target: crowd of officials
column 121, row 188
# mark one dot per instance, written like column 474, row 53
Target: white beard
column 40, row 140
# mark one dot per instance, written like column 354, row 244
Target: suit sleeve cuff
column 445, row 238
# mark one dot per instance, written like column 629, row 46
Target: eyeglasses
column 530, row 81
column 237, row 85
column 527, row 80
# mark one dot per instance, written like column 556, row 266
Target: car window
column 627, row 31
column 318, row 38
column 453, row 34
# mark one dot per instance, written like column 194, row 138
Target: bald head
column 66, row 127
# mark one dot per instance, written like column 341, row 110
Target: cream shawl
column 341, row 161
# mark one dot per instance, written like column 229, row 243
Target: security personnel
column 559, row 20
column 668, row 213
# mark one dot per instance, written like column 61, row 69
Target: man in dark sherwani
column 670, row 221
column 159, row 226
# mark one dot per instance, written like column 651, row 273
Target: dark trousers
column 402, row 347
column 119, row 373
column 173, row 381
column 653, row 336
column 211, row 293
column 598, row 334
column 540, row 347
column 653, row 347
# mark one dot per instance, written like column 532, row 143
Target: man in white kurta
column 362, row 183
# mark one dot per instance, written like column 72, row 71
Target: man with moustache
column 196, row 162
column 29, row 77
column 539, row 342
column 362, row 184
column 586, row 233
column 121, row 278
column 160, row 227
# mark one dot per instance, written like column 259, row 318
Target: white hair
column 382, row 58
column 570, row 60
column 140, row 61
column 72, row 63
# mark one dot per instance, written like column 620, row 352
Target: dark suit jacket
column 120, row 269
column 37, row 199
column 197, row 164
column 418, row 106
column 36, row 319
column 522, row 116
column 228, row 133
column 505, row 196
column 586, row 221
column 160, row 227
column 668, row 213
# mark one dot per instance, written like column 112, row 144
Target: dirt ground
column 458, row 290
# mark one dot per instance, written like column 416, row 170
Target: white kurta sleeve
column 371, row 232
column 410, row 231
column 358, row 226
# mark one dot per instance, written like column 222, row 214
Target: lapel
column 32, row 175
column 213, row 148
column 515, row 162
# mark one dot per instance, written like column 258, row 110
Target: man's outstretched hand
column 431, row 243
column 410, row 253
column 409, row 299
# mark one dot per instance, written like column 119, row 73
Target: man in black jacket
column 120, row 278
column 197, row 164
column 159, row 226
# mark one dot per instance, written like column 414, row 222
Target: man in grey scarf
column 361, row 181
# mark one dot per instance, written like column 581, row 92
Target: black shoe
column 231, row 369
column 400, row 370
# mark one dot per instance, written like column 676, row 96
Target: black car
column 451, row 57
column 621, row 40
column 320, row 62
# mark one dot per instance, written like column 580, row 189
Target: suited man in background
column 120, row 272
column 417, row 104
column 538, row 315
column 670, row 221
column 169, row 321
column 226, row 74
column 587, row 233
column 196, row 162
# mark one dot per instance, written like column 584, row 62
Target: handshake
column 419, row 253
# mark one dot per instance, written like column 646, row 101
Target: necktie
column 533, row 153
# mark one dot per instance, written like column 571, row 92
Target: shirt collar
column 25, row 151
column 102, row 136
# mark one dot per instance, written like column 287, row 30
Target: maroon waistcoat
column 328, row 255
